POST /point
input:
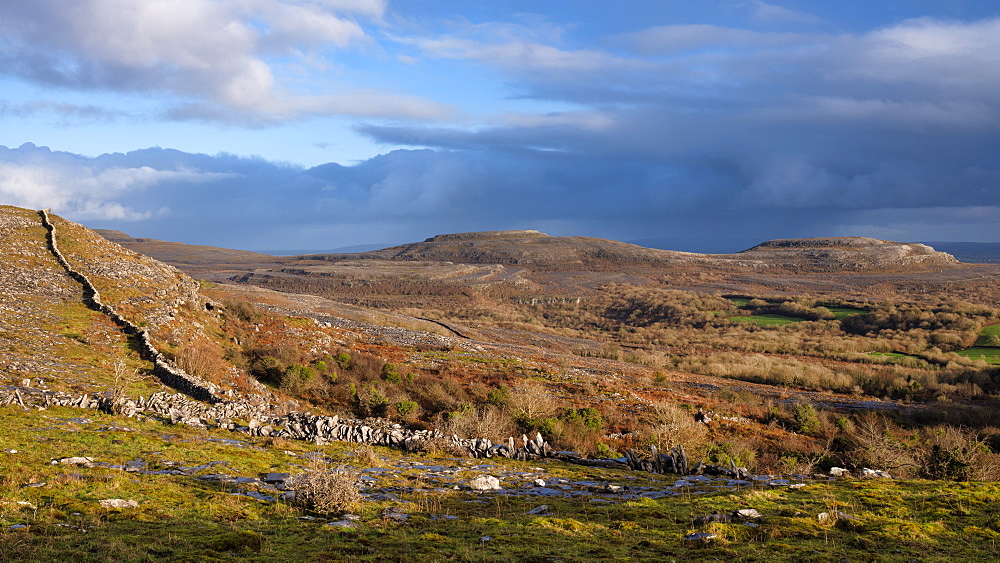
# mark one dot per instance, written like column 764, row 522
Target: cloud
column 65, row 112
column 408, row 195
column 71, row 185
column 218, row 60
column 774, row 14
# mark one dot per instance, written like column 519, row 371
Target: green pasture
column 989, row 353
column 842, row 313
column 767, row 319
column 989, row 336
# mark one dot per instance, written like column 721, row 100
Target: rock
column 834, row 515
column 874, row 474
column 540, row 509
column 79, row 461
column 272, row 478
column 840, row 472
column 118, row 503
column 485, row 483
column 700, row 537
column 393, row 514
column 342, row 524
column 539, row 482
column 747, row 514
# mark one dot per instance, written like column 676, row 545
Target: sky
column 709, row 126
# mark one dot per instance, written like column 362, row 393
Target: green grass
column 988, row 335
column 181, row 517
column 767, row 319
column 841, row 313
column 740, row 301
column 989, row 353
column 983, row 348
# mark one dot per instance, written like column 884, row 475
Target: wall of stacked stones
column 262, row 420
column 166, row 372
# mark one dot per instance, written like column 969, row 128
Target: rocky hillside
column 846, row 253
column 80, row 311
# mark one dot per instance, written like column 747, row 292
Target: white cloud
column 83, row 192
column 220, row 57
column 956, row 58
column 518, row 48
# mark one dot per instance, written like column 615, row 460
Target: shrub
column 343, row 360
column 406, row 409
column 390, row 374
column 325, row 490
column 201, row 358
column 804, row 418
column 296, row 377
column 956, row 454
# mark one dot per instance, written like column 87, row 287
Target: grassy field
column 988, row 336
column 988, row 353
column 983, row 348
column 841, row 313
column 51, row 512
column 767, row 319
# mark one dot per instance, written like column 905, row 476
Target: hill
column 539, row 250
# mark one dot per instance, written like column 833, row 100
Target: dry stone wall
column 263, row 420
column 168, row 373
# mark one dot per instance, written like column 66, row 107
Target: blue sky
column 319, row 124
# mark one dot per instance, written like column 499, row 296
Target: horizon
column 286, row 124
column 648, row 243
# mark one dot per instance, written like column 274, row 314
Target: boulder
column 485, row 483
column 78, row 461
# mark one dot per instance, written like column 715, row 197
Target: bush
column 390, row 374
column 406, row 409
column 956, row 454
column 325, row 490
column 296, row 377
column 343, row 360
column 804, row 418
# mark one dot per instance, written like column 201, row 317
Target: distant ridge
column 487, row 235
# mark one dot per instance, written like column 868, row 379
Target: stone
column 867, row 473
column 485, row 483
column 747, row 514
column 272, row 478
column 834, row 515
column 700, row 537
column 540, row 509
column 79, row 461
column 118, row 503
column 840, row 472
